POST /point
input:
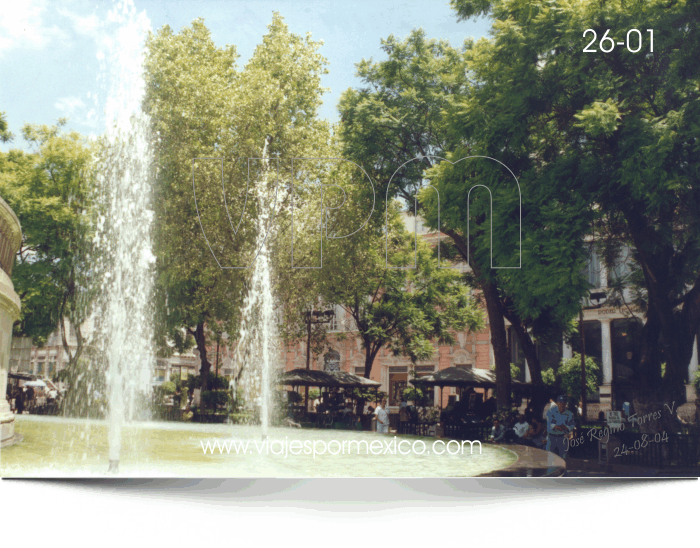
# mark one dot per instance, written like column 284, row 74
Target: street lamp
column 320, row 318
column 597, row 297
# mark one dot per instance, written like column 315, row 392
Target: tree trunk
column 528, row 346
column 369, row 361
column 205, row 367
column 497, row 326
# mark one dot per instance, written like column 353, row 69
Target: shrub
column 567, row 378
column 168, row 388
column 214, row 398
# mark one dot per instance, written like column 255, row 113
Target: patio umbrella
column 463, row 377
column 37, row 384
column 350, row 380
column 307, row 377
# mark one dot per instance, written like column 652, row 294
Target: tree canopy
column 618, row 131
column 202, row 106
column 49, row 190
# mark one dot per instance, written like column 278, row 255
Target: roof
column 462, row 376
column 312, row 377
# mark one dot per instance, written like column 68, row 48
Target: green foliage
column 214, row 398
column 696, row 383
column 5, row 134
column 413, row 394
column 614, row 133
column 168, row 388
column 201, row 105
column 218, row 382
column 514, row 370
column 368, row 394
column 403, row 309
column 49, row 191
column 314, row 393
column 567, row 378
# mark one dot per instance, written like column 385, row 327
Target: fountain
column 10, row 239
column 258, row 334
column 123, row 257
column 123, row 263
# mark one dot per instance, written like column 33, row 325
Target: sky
column 55, row 56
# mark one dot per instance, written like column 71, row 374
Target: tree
column 49, row 190
column 567, row 378
column 404, row 113
column 404, row 310
column 619, row 130
column 5, row 135
column 202, row 106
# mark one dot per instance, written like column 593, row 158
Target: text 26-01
column 634, row 38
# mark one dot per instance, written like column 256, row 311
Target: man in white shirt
column 521, row 427
column 382, row 418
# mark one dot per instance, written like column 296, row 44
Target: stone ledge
column 530, row 463
column 11, row 441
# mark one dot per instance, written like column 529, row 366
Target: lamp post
column 321, row 317
column 595, row 296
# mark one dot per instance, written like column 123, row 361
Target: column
column 566, row 351
column 607, row 350
column 606, row 387
column 603, row 275
column 527, row 372
column 693, row 367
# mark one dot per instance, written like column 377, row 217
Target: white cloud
column 75, row 108
column 22, row 24
column 84, row 25
column 68, row 105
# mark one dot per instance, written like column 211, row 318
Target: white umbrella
column 37, row 383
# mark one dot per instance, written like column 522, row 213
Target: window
column 335, row 324
column 622, row 267
column 331, row 361
column 398, row 381
column 591, row 271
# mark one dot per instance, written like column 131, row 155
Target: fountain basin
column 60, row 447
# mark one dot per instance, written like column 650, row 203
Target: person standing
column 547, row 408
column 560, row 421
column 29, row 399
column 382, row 418
column 19, row 401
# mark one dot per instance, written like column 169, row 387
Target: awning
column 464, row 377
column 311, row 377
column 20, row 376
column 36, row 383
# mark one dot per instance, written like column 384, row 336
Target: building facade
column 471, row 350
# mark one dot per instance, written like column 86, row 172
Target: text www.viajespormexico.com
column 286, row 447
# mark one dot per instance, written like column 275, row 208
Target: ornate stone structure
column 10, row 240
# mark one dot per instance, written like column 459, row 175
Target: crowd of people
column 28, row 400
column 548, row 433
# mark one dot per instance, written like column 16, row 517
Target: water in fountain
column 124, row 258
column 259, row 348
